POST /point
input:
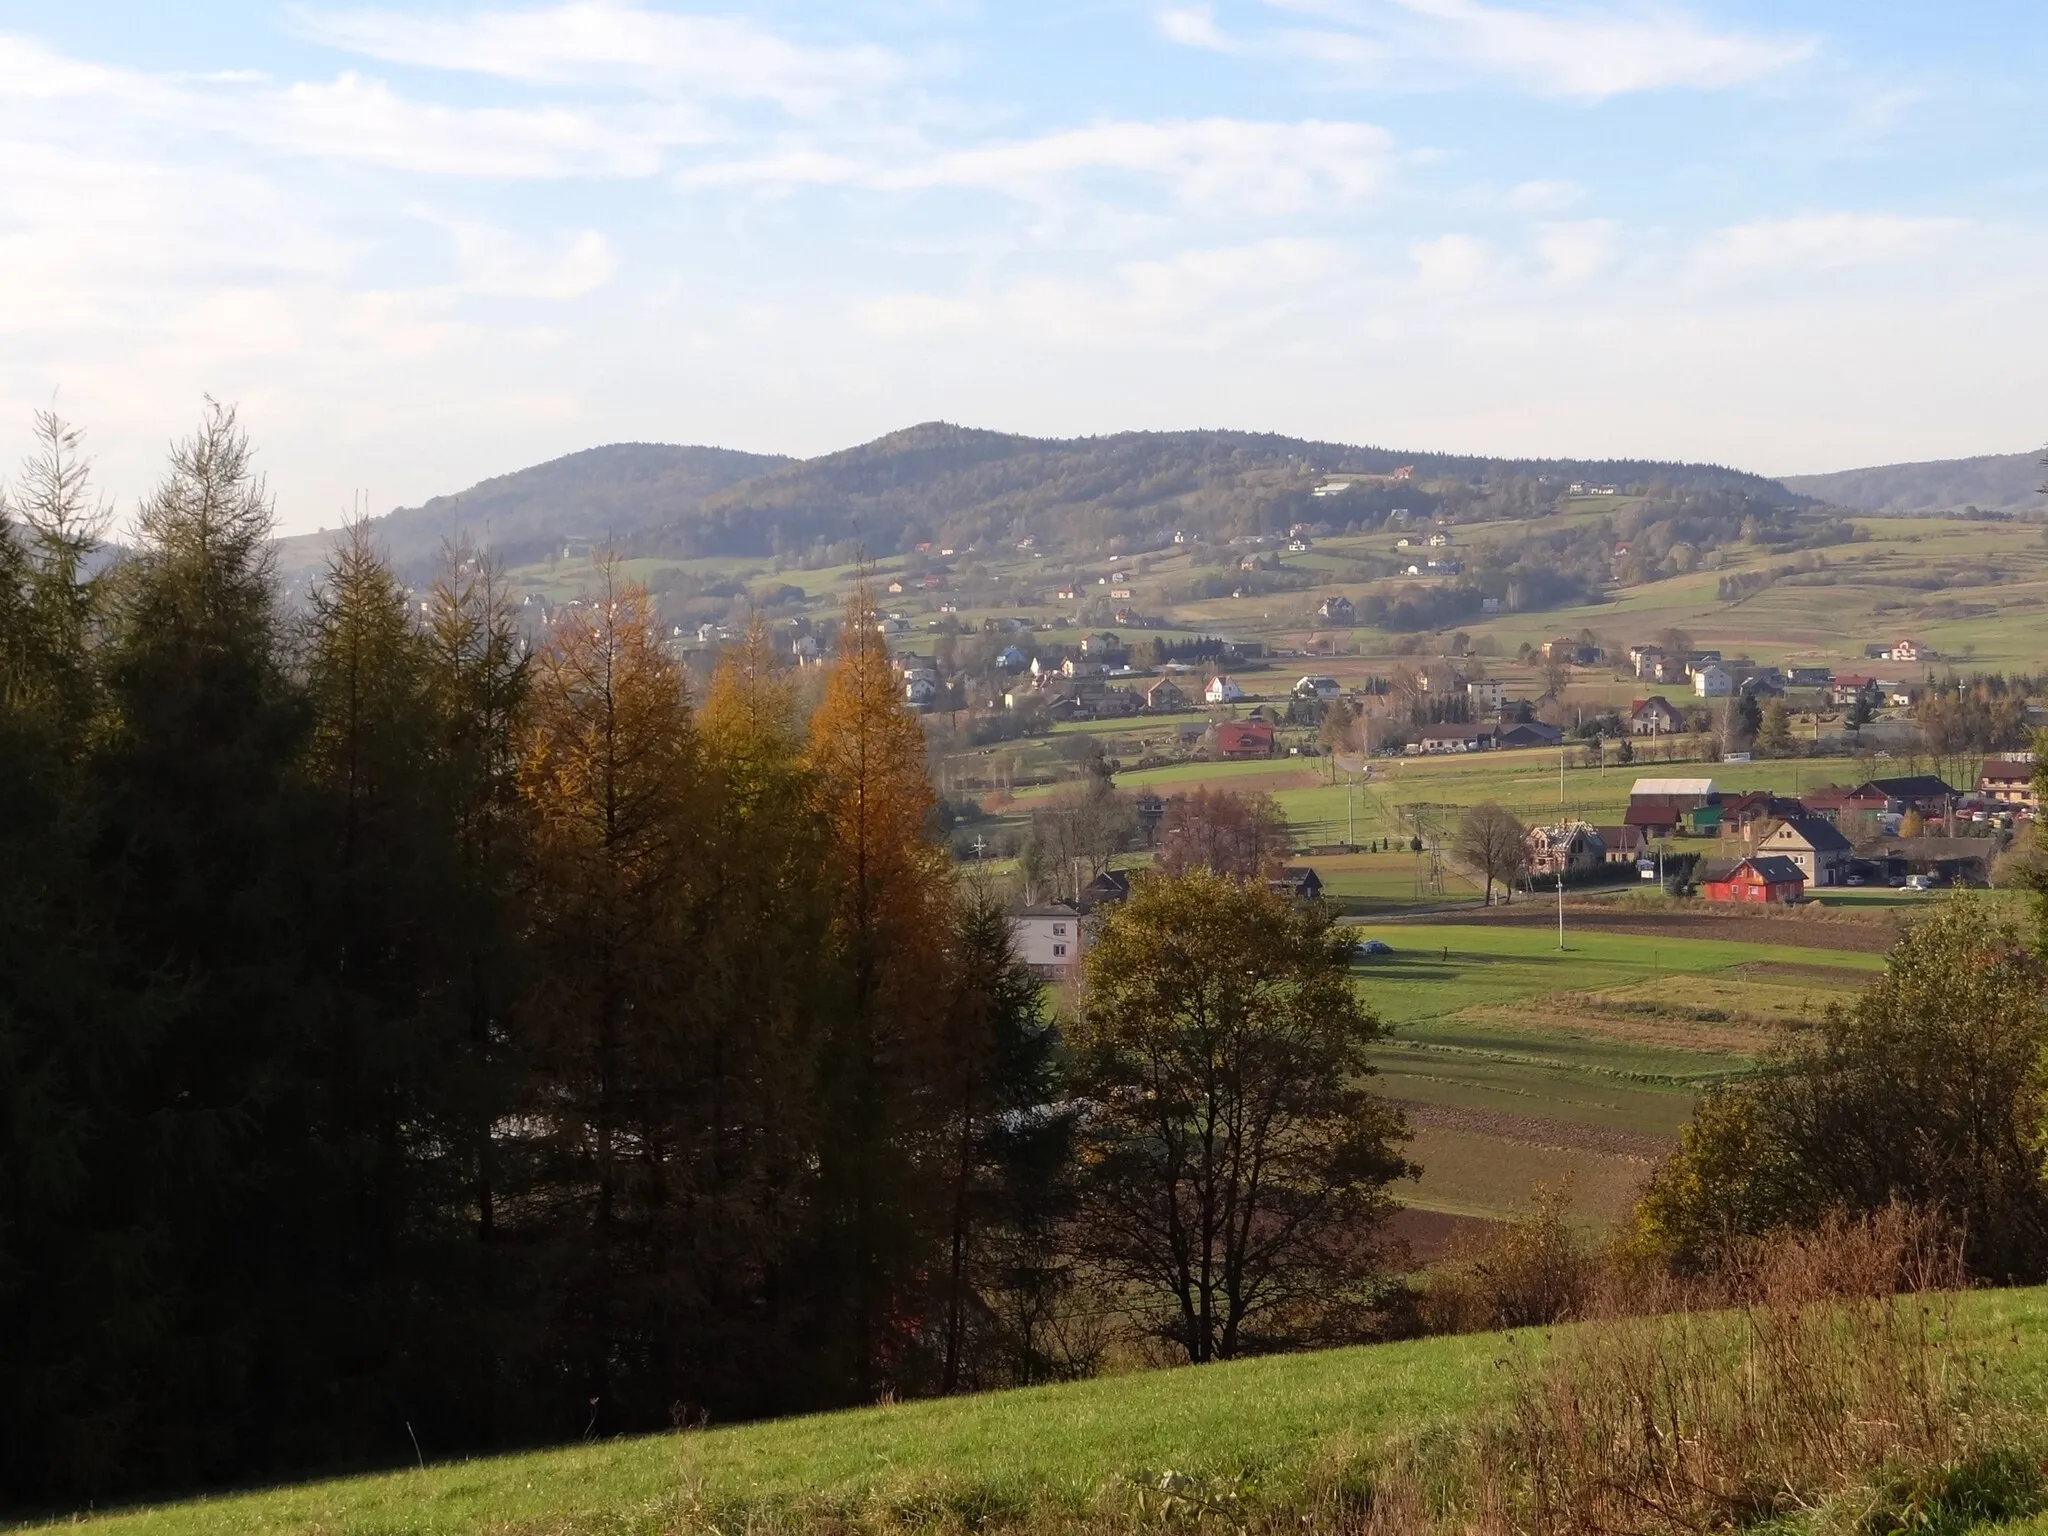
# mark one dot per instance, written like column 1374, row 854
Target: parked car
column 1855, row 880
column 1919, row 882
column 1366, row 947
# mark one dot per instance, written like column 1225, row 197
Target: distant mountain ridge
column 1992, row 481
column 607, row 493
column 954, row 484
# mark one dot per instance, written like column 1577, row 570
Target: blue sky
column 421, row 244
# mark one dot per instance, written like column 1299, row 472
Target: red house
column 1244, row 738
column 1771, row 878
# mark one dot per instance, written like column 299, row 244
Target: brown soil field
column 1429, row 1235
column 1537, row 1132
column 1581, row 1014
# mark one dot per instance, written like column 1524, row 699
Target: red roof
column 1244, row 736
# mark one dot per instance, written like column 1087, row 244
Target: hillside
column 1994, row 482
column 956, row 484
column 599, row 493
column 1262, row 1429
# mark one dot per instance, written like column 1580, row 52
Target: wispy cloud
column 1819, row 242
column 1268, row 167
column 1588, row 53
column 613, row 44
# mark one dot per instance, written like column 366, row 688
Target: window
column 1059, row 930
column 1058, row 950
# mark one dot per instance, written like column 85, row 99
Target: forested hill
column 607, row 493
column 1992, row 481
column 961, row 485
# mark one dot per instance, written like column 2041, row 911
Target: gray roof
column 1817, row 834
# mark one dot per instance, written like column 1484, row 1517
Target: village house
column 1048, row 938
column 2009, row 781
column 1743, row 815
column 1222, row 690
column 1243, row 739
column 1763, row 878
column 1439, row 541
column 1337, row 610
column 1848, row 687
column 1823, row 855
column 1297, row 881
column 1712, row 681
column 1106, row 889
column 1318, row 688
column 1661, row 807
column 1653, row 716
column 1909, row 650
column 1165, row 696
column 1831, row 802
column 1487, row 694
column 1622, row 844
column 1572, row 847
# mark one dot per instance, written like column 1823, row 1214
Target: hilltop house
column 1653, row 716
column 1823, row 855
column 1769, row 878
column 1337, row 610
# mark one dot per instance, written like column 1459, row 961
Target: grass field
column 1267, row 1426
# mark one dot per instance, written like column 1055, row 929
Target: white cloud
column 606, row 43
column 1572, row 252
column 1450, row 264
column 1589, row 53
column 494, row 263
column 1820, row 242
column 1544, row 196
column 1267, row 167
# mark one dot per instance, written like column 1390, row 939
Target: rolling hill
column 1994, row 482
column 957, row 484
column 599, row 494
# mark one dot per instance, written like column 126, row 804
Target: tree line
column 413, row 1040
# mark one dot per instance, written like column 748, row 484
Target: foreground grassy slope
column 1275, row 1422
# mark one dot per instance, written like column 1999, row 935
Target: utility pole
column 1560, row 902
column 1560, row 775
column 1351, row 812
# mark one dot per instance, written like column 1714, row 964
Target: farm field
column 1268, row 1425
column 1517, row 1062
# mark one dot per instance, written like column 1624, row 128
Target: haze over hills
column 949, row 483
column 600, row 494
column 1993, row 481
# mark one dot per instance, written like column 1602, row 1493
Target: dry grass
column 1820, row 1376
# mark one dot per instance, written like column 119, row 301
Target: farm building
column 1764, row 879
column 1457, row 738
column 1922, row 792
column 1297, row 881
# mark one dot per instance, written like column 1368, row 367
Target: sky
column 421, row 244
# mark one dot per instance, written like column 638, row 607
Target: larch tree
column 610, row 772
column 888, row 885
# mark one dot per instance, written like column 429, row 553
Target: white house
column 1318, row 688
column 1222, row 690
column 1486, row 693
column 1048, row 938
column 1712, row 681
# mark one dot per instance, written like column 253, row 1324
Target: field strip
column 1535, row 1131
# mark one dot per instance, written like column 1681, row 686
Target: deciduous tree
column 1493, row 844
column 1237, row 1165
